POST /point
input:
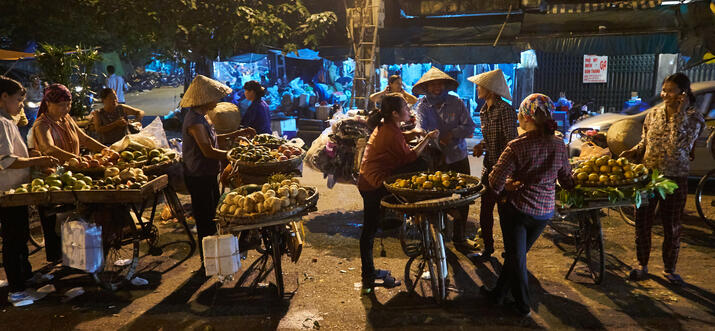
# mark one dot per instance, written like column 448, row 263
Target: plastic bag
column 151, row 136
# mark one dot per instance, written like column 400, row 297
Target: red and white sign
column 595, row 69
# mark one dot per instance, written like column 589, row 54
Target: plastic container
column 82, row 245
column 221, row 255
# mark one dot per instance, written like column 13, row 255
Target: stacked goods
column 268, row 139
column 145, row 156
column 338, row 153
column 271, row 198
column 264, row 154
column 114, row 179
column 93, row 163
column 604, row 171
column 437, row 181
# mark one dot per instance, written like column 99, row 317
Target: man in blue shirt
column 438, row 110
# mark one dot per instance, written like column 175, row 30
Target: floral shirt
column 498, row 128
column 666, row 144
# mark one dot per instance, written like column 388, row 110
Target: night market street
column 326, row 281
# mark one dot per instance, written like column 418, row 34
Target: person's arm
column 136, row 112
column 422, row 144
column 245, row 132
column 564, row 174
column 465, row 128
column 46, row 144
column 638, row 149
column 85, row 140
column 377, row 96
column 201, row 136
column 21, row 119
column 26, row 162
column 412, row 134
column 502, row 170
column 109, row 127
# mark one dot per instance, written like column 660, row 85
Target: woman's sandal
column 674, row 279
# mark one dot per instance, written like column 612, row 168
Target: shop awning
column 247, row 58
column 607, row 44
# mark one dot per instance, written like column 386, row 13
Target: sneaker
column 19, row 299
column 39, row 278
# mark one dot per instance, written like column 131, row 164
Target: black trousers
column 205, row 194
column 461, row 166
column 53, row 240
column 15, row 235
column 520, row 231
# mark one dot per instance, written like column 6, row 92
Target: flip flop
column 674, row 279
column 381, row 274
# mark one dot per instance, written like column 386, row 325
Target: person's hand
column 512, row 185
column 432, row 134
column 45, row 162
column 478, row 149
column 445, row 139
column 121, row 123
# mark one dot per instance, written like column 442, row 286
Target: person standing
column 438, row 110
column 498, row 128
column 32, row 103
column 15, row 166
column 394, row 85
column 116, row 83
column 111, row 122
column 669, row 133
column 386, row 154
column 527, row 170
column 201, row 155
column 258, row 115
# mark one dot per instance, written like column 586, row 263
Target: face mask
column 437, row 99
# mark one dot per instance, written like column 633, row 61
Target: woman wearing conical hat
column 200, row 152
column 438, row 110
column 498, row 128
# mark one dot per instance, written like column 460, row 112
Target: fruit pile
column 267, row 139
column 605, row 171
column 268, row 199
column 437, row 181
column 145, row 155
column 263, row 154
column 98, row 161
column 130, row 178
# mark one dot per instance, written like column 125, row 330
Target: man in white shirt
column 116, row 83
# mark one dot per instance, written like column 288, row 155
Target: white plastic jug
column 221, row 255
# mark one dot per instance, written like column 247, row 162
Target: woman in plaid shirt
column 669, row 132
column 527, row 170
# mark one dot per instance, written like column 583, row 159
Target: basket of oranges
column 607, row 172
column 418, row 186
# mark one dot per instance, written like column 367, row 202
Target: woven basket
column 310, row 202
column 161, row 167
column 417, row 195
column 268, row 168
column 393, row 202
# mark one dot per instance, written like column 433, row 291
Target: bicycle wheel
column 699, row 196
column 37, row 237
column 276, row 256
column 121, row 257
column 440, row 262
column 595, row 256
column 411, row 237
column 420, row 269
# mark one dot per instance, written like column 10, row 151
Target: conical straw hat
column 493, row 81
column 204, row 90
column 432, row 75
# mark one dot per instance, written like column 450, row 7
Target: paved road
column 157, row 102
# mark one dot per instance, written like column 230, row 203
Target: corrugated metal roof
column 589, row 6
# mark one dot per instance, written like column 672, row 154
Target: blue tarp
column 247, row 58
column 303, row 54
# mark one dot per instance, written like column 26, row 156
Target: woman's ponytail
column 390, row 102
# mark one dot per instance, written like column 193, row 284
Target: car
column 705, row 103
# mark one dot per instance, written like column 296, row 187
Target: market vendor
column 669, row 133
column 55, row 133
column 258, row 115
column 386, row 154
column 394, row 85
column 201, row 156
column 438, row 110
column 15, row 166
column 498, row 128
column 525, row 179
column 112, row 122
